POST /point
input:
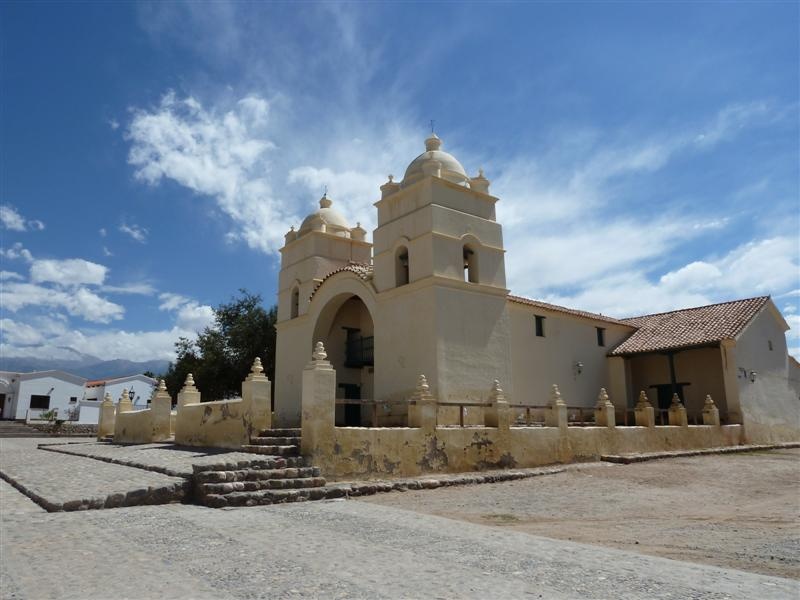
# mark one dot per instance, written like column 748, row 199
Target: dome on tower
column 435, row 160
column 325, row 219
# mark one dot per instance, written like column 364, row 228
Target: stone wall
column 65, row 429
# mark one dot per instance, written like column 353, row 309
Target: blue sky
column 153, row 155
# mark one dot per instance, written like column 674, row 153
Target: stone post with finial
column 124, row 404
column 256, row 396
column 189, row 394
column 556, row 413
column 710, row 412
column 677, row 413
column 498, row 413
column 604, row 411
column 643, row 411
column 161, row 410
column 105, row 424
column 318, row 404
column 423, row 410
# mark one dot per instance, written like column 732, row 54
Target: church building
column 429, row 295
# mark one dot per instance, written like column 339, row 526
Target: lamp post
column 131, row 395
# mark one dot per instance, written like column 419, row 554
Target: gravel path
column 61, row 482
column 331, row 549
column 736, row 510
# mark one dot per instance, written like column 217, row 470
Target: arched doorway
column 346, row 328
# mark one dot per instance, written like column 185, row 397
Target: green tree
column 223, row 353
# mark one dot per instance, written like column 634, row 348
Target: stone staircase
column 279, row 475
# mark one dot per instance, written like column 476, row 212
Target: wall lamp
column 578, row 367
column 753, row 376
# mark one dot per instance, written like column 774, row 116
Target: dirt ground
column 735, row 510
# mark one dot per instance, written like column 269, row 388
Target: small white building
column 25, row 396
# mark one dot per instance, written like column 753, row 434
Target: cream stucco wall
column 770, row 406
column 540, row 362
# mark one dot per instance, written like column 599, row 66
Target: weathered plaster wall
column 411, row 451
column 770, row 406
column 226, row 423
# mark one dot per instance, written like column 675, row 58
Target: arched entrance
column 346, row 328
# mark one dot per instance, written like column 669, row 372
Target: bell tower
column 439, row 266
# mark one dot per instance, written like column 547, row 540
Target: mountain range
column 90, row 367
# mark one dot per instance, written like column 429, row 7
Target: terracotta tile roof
column 364, row 271
column 689, row 327
column 564, row 309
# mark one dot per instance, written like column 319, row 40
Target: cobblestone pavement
column 330, row 549
column 164, row 458
column 62, row 482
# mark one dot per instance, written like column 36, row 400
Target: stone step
column 272, row 450
column 256, row 474
column 266, row 462
column 264, row 497
column 280, row 432
column 275, row 441
column 207, row 489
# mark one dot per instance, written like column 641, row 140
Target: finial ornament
column 643, row 401
column 162, row 386
column 257, row 368
column 676, row 401
column 319, row 352
column 391, row 178
column 480, row 172
column 555, row 395
column 432, row 125
column 124, row 395
column 108, row 398
column 709, row 402
column 189, row 383
column 497, row 392
column 422, row 384
column 602, row 398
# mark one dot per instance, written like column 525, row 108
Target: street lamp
column 131, row 395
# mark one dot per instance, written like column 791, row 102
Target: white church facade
column 429, row 295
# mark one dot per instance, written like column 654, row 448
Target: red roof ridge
column 677, row 310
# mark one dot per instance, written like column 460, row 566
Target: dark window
column 401, row 266
column 295, row 302
column 470, row 266
column 73, row 399
column 539, row 325
column 601, row 336
column 359, row 350
column 40, row 401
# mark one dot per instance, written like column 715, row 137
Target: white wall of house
column 142, row 387
column 62, row 390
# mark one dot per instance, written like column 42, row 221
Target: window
column 539, row 326
column 401, row 266
column 38, row 401
column 295, row 302
column 73, row 399
column 601, row 336
column 470, row 265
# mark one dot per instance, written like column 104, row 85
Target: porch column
column 730, row 382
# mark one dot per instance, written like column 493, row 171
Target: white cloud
column 16, row 252
column 11, row 219
column 78, row 302
column 10, row 275
column 221, row 154
column 140, row 289
column 107, row 252
column 68, row 272
column 102, row 231
column 135, row 231
column 189, row 313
